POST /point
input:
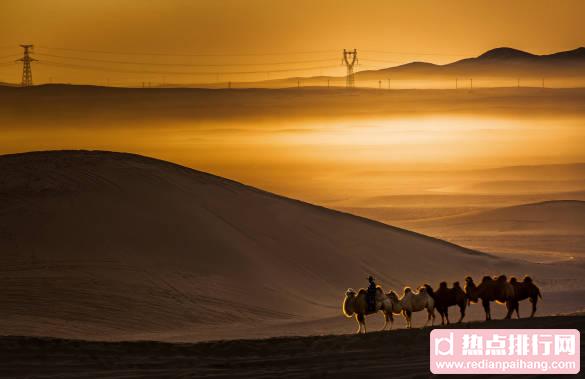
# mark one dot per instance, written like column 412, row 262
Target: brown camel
column 446, row 297
column 525, row 290
column 491, row 289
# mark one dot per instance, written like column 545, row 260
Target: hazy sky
column 438, row 31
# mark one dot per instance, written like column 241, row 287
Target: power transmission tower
column 26, row 70
column 350, row 59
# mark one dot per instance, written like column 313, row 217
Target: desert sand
column 396, row 354
column 545, row 231
column 114, row 246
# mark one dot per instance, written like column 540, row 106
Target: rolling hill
column 105, row 245
column 503, row 62
column 546, row 230
column 499, row 62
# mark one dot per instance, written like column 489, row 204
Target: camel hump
column 486, row 278
column 502, row 278
column 456, row 285
column 443, row 285
column 362, row 292
column 350, row 292
column 407, row 290
column 527, row 279
column 513, row 280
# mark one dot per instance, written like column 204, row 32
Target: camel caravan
column 499, row 289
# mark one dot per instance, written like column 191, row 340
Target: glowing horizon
column 267, row 37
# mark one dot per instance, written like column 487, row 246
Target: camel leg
column 447, row 315
column 510, row 306
column 362, row 321
column 385, row 321
column 407, row 316
column 534, row 301
column 462, row 310
column 486, row 308
column 517, row 308
column 442, row 314
column 428, row 316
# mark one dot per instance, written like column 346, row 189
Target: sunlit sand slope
column 549, row 230
column 114, row 246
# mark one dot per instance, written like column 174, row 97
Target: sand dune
column 545, row 230
column 117, row 246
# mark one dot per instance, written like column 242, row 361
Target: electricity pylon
column 349, row 59
column 26, row 69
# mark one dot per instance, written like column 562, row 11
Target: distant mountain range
column 500, row 62
column 503, row 63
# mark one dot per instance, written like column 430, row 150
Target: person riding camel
column 371, row 294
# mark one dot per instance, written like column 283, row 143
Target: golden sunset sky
column 267, row 37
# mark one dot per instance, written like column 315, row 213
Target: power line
column 10, row 56
column 96, row 68
column 380, row 61
column 187, row 54
column 168, row 54
column 413, row 53
column 184, row 64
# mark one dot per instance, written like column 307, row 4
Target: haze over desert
column 251, row 189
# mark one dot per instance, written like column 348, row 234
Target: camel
column 525, row 290
column 355, row 303
column 396, row 309
column 415, row 302
column 491, row 289
column 446, row 297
